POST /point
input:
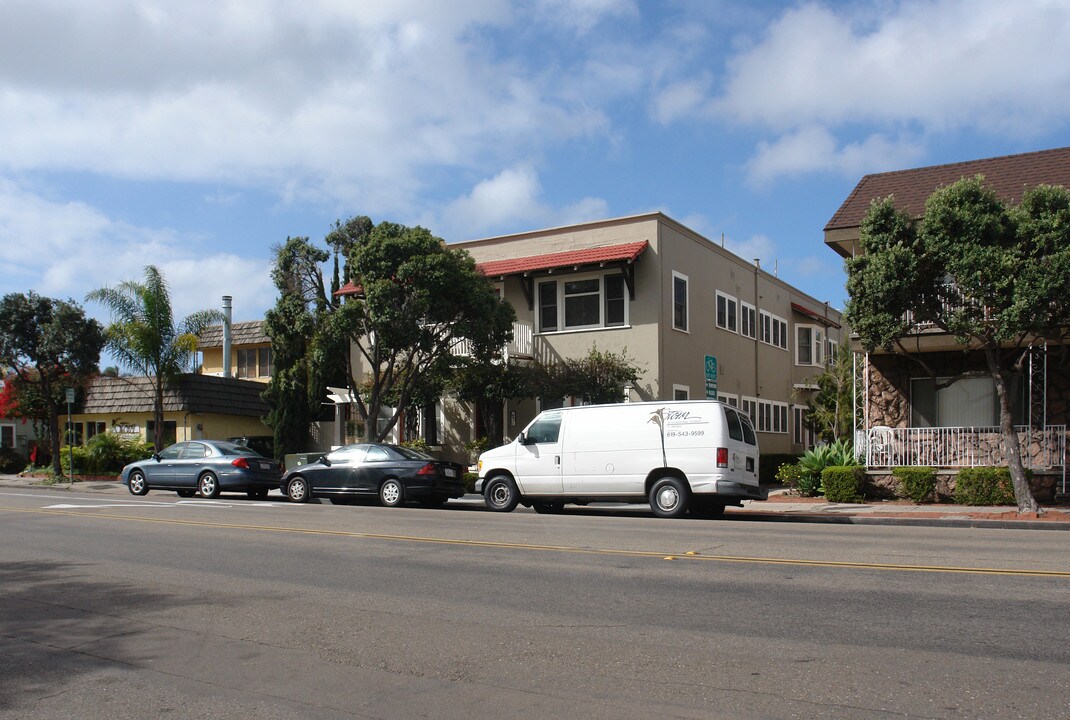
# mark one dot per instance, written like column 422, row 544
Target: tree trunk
column 157, row 443
column 1022, row 494
column 53, row 429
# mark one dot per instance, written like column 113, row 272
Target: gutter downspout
column 226, row 335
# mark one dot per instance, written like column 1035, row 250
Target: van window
column 748, row 431
column 735, row 428
column 546, row 429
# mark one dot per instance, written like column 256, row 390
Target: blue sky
column 197, row 135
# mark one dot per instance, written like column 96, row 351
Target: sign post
column 70, row 432
column 711, row 377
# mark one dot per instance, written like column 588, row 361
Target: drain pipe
column 226, row 335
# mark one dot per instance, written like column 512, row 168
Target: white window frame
column 748, row 320
column 685, row 389
column 772, row 329
column 728, row 399
column 772, row 417
column 831, row 346
column 687, row 302
column 559, row 296
column 731, row 311
column 802, row 433
column 816, row 345
column 749, row 405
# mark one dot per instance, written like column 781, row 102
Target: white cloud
column 584, row 15
column 985, row 64
column 65, row 249
column 756, row 246
column 512, row 197
column 814, row 149
column 348, row 101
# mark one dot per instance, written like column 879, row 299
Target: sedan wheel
column 137, row 484
column 391, row 494
column 297, row 490
column 208, row 485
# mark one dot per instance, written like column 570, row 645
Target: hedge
column 844, row 484
column 916, row 483
column 985, row 486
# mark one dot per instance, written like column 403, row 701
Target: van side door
column 538, row 458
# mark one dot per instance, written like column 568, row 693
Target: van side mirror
column 522, row 438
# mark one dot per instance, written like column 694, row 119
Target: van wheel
column 548, row 507
column 668, row 497
column 500, row 494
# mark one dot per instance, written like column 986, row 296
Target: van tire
column 500, row 494
column 669, row 497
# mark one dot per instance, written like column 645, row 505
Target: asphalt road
column 125, row 607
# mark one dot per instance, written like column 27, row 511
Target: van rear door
column 538, row 458
column 743, row 448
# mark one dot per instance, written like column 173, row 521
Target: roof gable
column 253, row 332
column 190, row 393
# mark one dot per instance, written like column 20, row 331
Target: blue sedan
column 207, row 467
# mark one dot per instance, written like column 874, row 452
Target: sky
column 196, row 136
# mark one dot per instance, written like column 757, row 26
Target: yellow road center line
column 687, row 555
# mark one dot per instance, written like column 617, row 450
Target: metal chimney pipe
column 226, row 335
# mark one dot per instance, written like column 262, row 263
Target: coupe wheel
column 668, row 497
column 297, row 490
column 137, row 484
column 391, row 493
column 500, row 494
column 208, row 485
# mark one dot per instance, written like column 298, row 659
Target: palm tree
column 143, row 336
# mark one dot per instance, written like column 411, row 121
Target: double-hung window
column 582, row 303
column 772, row 330
column 748, row 320
column 809, row 345
column 679, row 301
column 727, row 312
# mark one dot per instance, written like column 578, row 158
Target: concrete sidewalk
column 780, row 508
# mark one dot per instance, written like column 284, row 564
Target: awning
column 815, row 315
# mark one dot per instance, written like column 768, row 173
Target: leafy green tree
column 830, row 412
column 144, row 338
column 420, row 299
column 598, row 377
column 50, row 345
column 995, row 277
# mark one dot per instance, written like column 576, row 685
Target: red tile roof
column 350, row 288
column 1009, row 176
column 627, row 252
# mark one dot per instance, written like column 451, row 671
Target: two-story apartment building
column 673, row 301
column 903, row 416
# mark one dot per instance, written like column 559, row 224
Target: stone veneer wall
column 889, row 383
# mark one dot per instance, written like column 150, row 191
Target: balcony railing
column 947, row 307
column 519, row 346
column 952, row 447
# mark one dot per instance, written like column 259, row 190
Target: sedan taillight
column 240, row 463
column 428, row 469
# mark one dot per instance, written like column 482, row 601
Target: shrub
column 417, row 443
column 984, row 486
column 845, row 484
column 11, row 462
column 837, row 454
column 769, row 466
column 81, row 459
column 470, row 482
column 800, row 482
column 916, row 483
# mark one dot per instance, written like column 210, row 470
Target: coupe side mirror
column 156, row 456
column 324, row 461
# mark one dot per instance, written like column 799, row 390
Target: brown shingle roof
column 587, row 256
column 1009, row 176
column 241, row 333
column 191, row 393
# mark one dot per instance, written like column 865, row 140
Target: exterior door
column 538, row 460
column 191, row 461
column 162, row 472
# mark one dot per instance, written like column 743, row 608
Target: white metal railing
column 947, row 307
column 520, row 346
column 1042, row 448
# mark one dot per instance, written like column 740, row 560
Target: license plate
column 265, row 466
column 449, row 472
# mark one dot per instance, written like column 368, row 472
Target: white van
column 700, row 455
